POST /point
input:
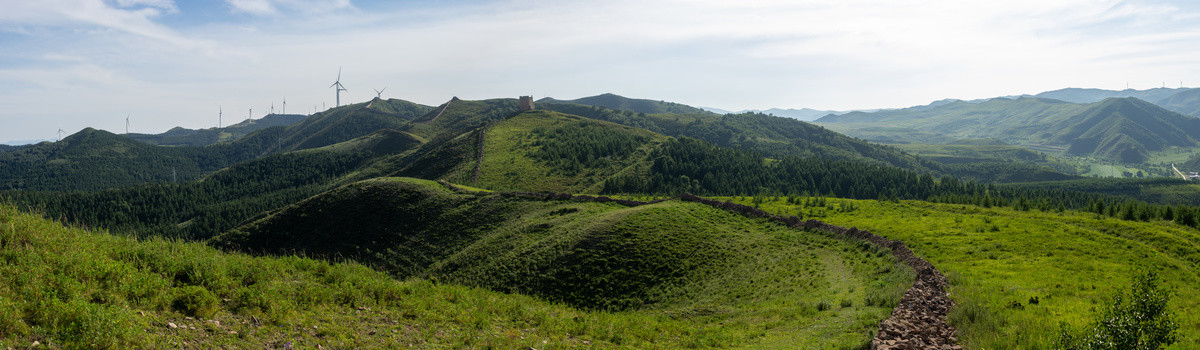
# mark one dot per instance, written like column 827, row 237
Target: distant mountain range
column 805, row 114
column 179, row 136
column 1118, row 129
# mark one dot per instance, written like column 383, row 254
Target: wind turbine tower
column 220, row 115
column 250, row 115
column 272, row 107
column 60, row 133
column 285, row 105
column 126, row 124
column 337, row 84
column 379, row 92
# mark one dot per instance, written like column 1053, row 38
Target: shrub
column 1138, row 319
column 196, row 301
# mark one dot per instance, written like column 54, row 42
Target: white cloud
column 167, row 5
column 274, row 7
column 730, row 54
column 68, row 13
column 257, row 7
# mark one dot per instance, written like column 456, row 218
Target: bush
column 196, row 301
column 1137, row 320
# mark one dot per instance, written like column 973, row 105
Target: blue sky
column 71, row 64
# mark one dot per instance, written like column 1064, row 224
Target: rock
column 172, row 325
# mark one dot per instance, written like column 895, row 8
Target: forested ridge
column 688, row 165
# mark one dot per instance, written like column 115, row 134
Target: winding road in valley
column 1178, row 172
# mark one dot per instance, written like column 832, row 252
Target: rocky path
column 919, row 321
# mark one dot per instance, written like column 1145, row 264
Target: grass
column 758, row 281
column 72, row 288
column 508, row 163
column 998, row 259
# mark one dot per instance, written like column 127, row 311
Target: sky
column 70, row 64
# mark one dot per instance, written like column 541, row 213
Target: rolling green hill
column 222, row 199
column 1117, row 129
column 612, row 101
column 203, row 137
column 538, row 151
column 773, row 136
column 1185, row 102
column 457, row 115
column 1124, row 130
column 76, row 289
column 674, row 257
column 96, row 159
column 348, row 122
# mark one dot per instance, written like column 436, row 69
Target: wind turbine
column 272, row 107
column 379, row 92
column 126, row 124
column 60, row 132
column 220, row 115
column 285, row 105
column 339, row 88
column 250, row 115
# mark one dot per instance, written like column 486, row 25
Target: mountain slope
column 348, row 122
column 112, row 292
column 1078, row 95
column 1118, row 129
column 804, row 114
column 1124, row 129
column 457, row 115
column 672, row 255
column 612, row 101
column 1186, row 102
column 95, row 159
column 773, row 136
column 179, row 136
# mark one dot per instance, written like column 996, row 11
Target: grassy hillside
column 1000, row 259
column 612, row 101
column 672, row 258
column 95, row 159
column 71, row 288
column 1125, row 130
column 348, row 122
column 203, row 137
column 1185, row 102
column 775, row 137
column 456, row 116
column 1118, row 129
column 223, row 199
column 550, row 151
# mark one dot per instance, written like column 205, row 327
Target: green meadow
column 1000, row 261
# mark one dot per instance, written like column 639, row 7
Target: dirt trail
column 447, row 105
column 917, row 322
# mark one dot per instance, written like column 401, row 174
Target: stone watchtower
column 525, row 103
